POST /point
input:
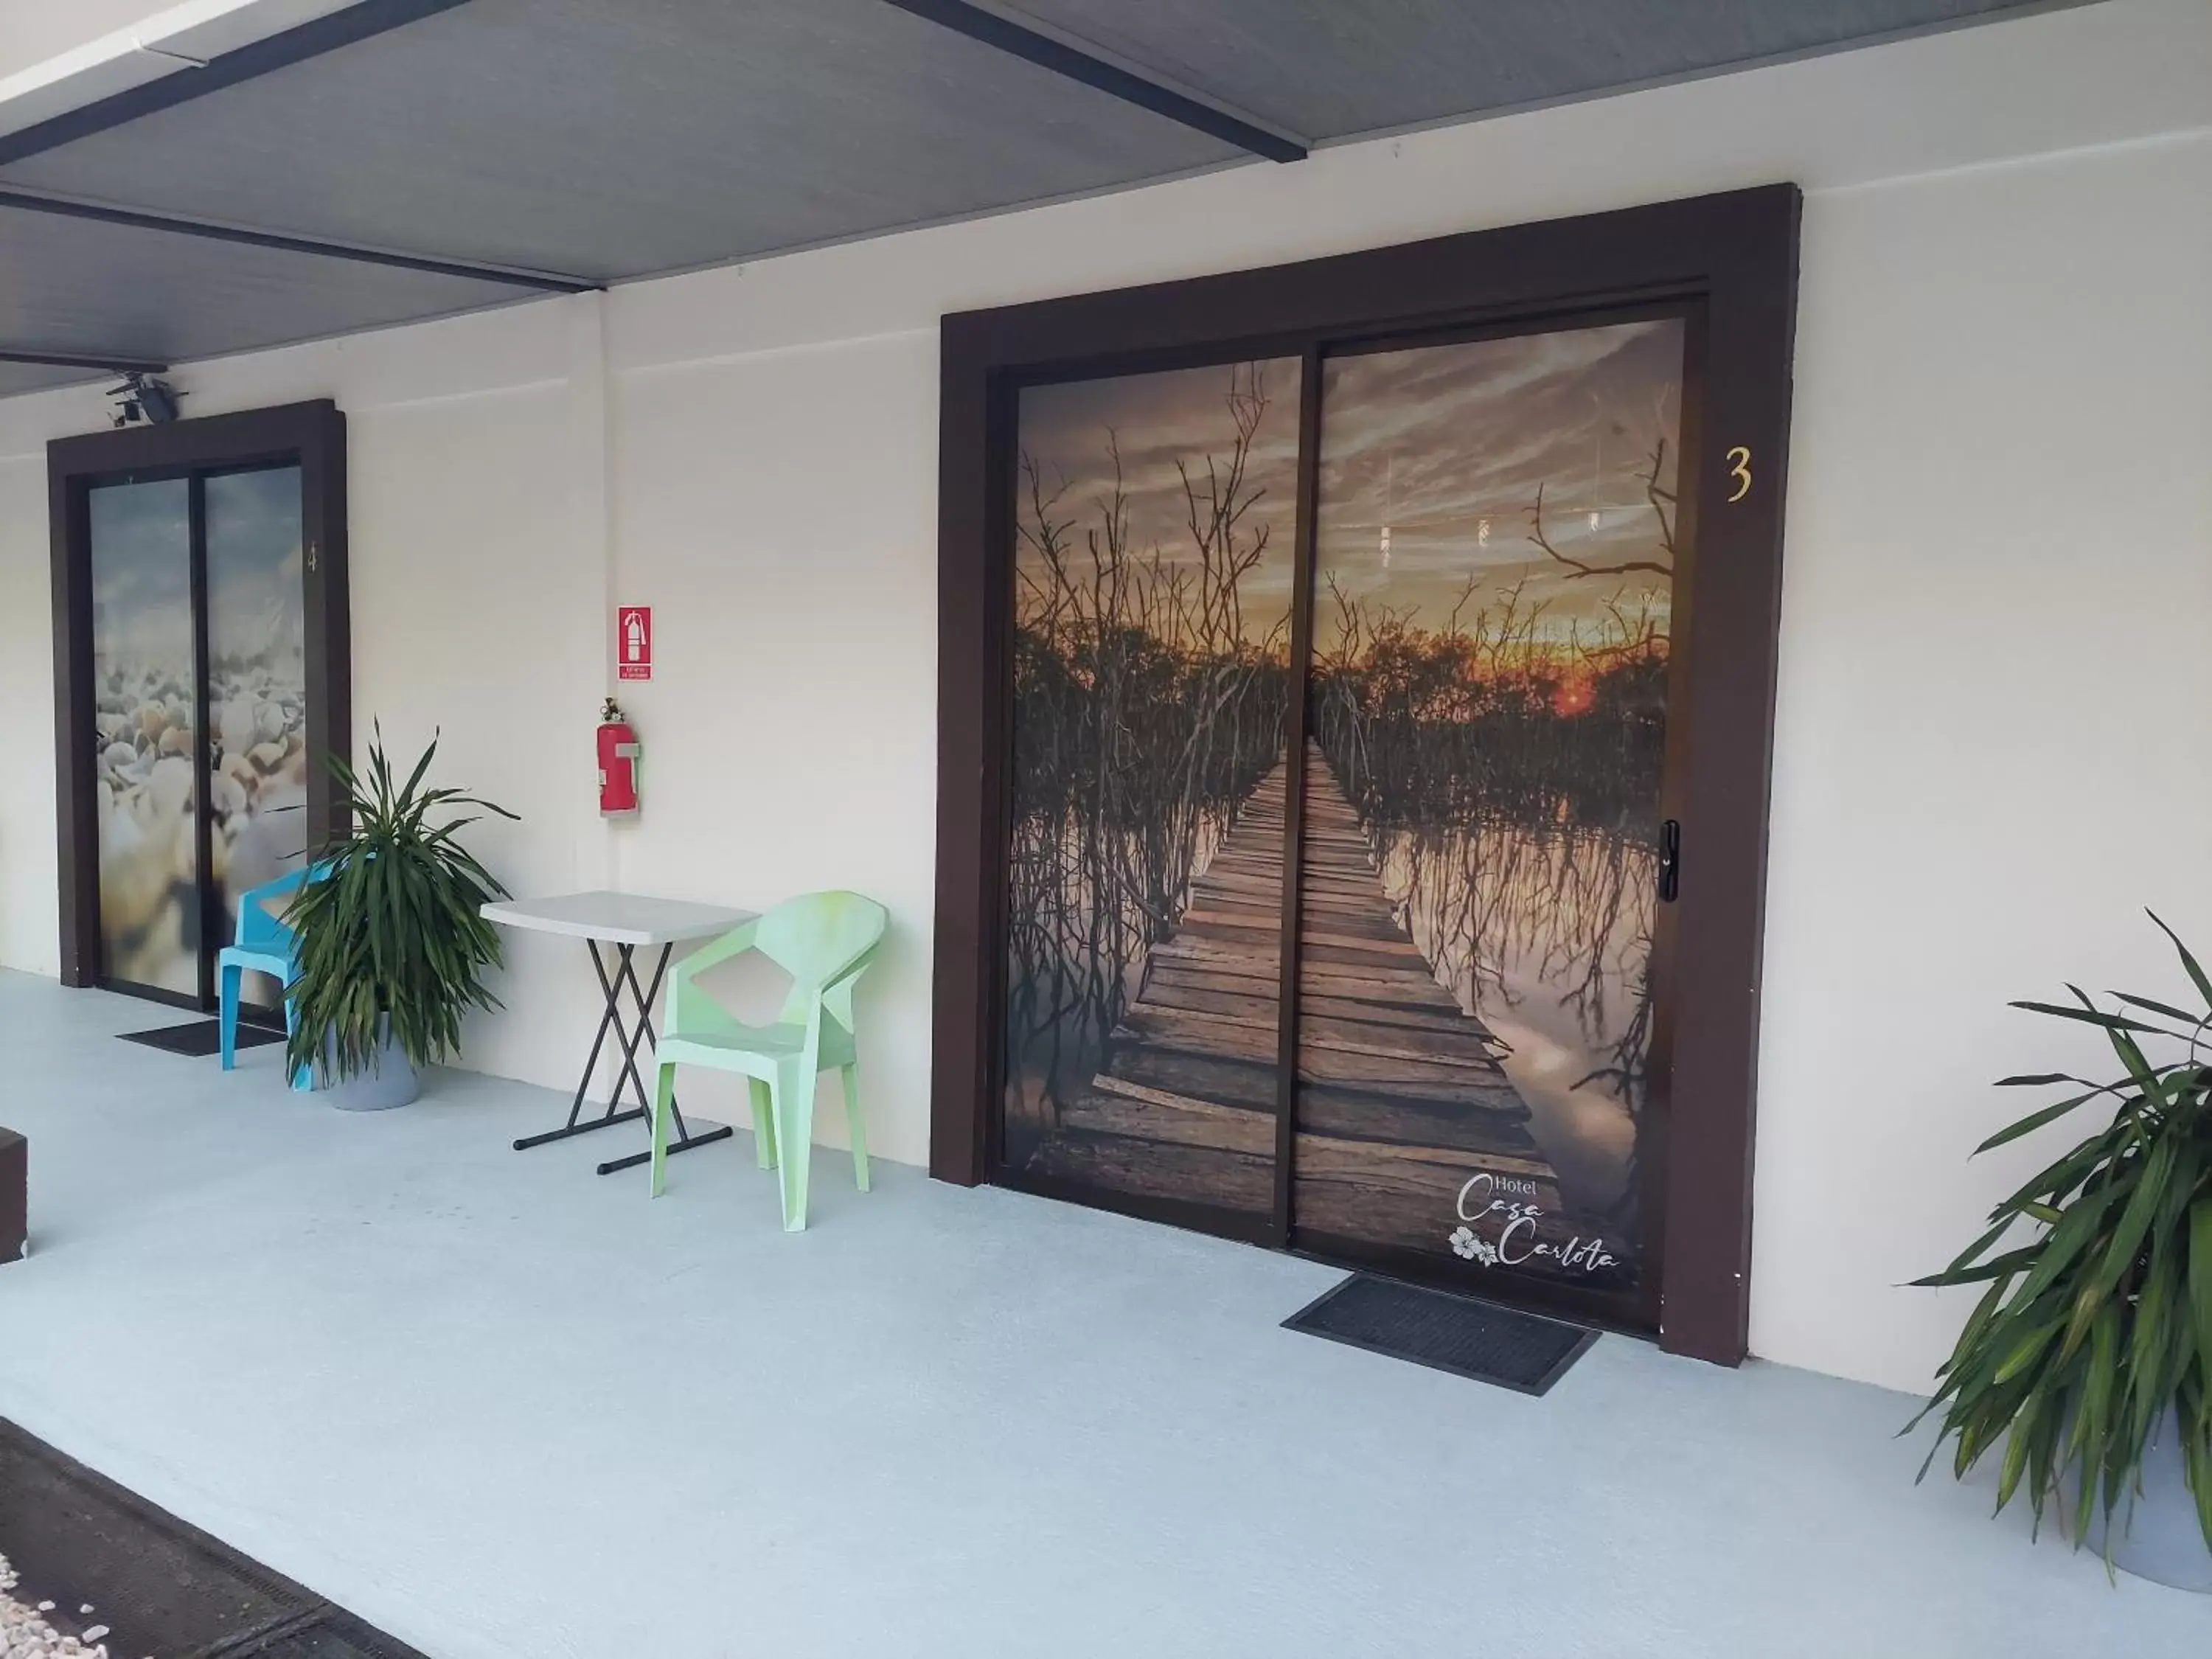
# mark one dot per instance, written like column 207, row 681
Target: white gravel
column 25, row 1634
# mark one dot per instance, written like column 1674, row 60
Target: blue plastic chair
column 265, row 944
column 825, row 942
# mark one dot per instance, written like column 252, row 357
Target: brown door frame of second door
column 310, row 435
column 1732, row 256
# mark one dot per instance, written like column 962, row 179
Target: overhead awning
column 232, row 174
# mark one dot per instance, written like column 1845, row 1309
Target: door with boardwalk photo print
column 1154, row 562
column 1486, row 685
column 1494, row 572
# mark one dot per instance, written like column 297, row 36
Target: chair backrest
column 819, row 937
column 261, row 925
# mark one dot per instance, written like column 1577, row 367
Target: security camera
column 144, row 397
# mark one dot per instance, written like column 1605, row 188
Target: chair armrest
column 257, row 925
column 688, row 1007
column 735, row 943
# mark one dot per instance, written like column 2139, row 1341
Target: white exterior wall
column 1991, row 747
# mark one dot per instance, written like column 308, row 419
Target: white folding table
column 625, row 922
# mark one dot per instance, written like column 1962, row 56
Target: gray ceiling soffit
column 1339, row 68
column 618, row 138
column 75, row 286
column 16, row 379
column 615, row 139
column 275, row 52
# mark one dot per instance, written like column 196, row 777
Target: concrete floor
column 501, row 1407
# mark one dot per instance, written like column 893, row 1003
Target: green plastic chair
column 825, row 942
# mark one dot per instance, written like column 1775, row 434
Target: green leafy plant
column 2091, row 1330
column 390, row 930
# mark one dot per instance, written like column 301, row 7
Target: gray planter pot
column 390, row 1081
column 2159, row 1539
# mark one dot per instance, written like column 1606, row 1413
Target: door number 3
column 1739, row 459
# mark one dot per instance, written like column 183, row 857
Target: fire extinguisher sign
column 634, row 642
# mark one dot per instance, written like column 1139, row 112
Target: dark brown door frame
column 1734, row 257
column 310, row 435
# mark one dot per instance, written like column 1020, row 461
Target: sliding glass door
column 146, row 666
column 198, row 646
column 1154, row 570
column 257, row 692
column 1456, row 1073
column 1496, row 547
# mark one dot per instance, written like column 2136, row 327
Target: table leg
column 684, row 1140
column 609, row 1019
column 630, row 1038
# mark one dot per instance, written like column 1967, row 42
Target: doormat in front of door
column 201, row 1038
column 1523, row 1351
column 89, row 1569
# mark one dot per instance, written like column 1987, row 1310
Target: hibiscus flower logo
column 1468, row 1248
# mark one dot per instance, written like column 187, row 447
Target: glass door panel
column 1154, row 561
column 257, row 690
column 143, row 642
column 1495, row 545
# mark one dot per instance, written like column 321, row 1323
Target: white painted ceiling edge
column 170, row 40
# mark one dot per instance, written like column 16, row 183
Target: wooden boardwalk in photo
column 1401, row 1095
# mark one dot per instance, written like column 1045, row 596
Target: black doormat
column 201, row 1038
column 159, row 1587
column 1526, row 1352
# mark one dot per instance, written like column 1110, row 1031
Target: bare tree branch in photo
column 1662, row 503
column 1144, row 718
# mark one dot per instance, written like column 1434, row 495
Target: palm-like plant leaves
column 393, row 930
column 2102, row 1320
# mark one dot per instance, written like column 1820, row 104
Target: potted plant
column 391, row 946
column 2090, row 1351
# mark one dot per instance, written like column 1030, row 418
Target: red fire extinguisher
column 618, row 756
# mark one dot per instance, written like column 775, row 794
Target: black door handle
column 1670, row 860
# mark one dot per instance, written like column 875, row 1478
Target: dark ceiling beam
column 294, row 45
column 62, row 207
column 64, row 359
column 1047, row 51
